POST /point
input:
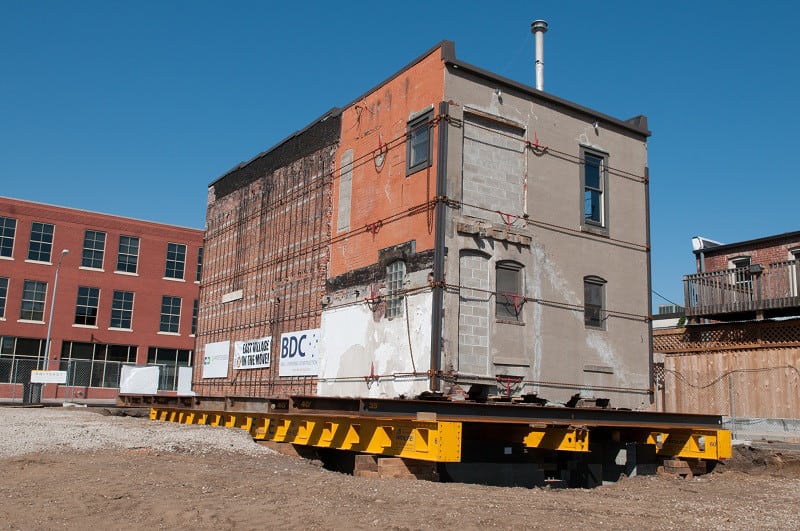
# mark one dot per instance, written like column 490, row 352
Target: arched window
column 395, row 277
column 510, row 296
column 594, row 302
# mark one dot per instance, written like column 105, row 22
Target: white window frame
column 395, row 280
column 41, row 242
column 93, row 252
column 123, row 311
column 590, row 225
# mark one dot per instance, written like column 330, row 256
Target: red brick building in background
column 739, row 355
column 127, row 293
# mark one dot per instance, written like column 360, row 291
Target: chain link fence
column 755, row 403
column 81, row 375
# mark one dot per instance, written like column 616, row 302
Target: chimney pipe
column 538, row 28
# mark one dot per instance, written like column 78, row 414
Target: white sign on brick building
column 252, row 354
column 215, row 359
column 300, row 353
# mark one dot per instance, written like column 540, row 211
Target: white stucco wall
column 355, row 346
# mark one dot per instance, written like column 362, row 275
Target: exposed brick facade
column 267, row 236
column 763, row 251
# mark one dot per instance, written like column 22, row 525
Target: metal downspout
column 649, row 281
column 439, row 249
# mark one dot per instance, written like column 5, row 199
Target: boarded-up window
column 345, row 192
column 494, row 167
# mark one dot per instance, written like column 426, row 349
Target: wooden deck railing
column 743, row 290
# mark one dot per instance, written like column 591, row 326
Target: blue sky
column 133, row 108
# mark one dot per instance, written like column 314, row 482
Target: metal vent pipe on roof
column 538, row 28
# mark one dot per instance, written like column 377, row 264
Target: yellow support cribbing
column 426, row 440
column 697, row 444
column 558, row 438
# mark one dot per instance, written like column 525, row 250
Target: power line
column 666, row 299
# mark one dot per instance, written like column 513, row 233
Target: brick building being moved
column 448, row 231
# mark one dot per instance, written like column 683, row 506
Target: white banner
column 215, row 360
column 252, row 354
column 300, row 353
column 59, row 377
column 139, row 380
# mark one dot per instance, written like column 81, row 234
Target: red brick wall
column 148, row 285
column 763, row 253
column 382, row 191
column 269, row 239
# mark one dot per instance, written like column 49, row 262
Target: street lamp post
column 64, row 252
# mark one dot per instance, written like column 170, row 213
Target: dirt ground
column 146, row 489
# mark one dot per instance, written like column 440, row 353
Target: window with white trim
column 86, row 306
column 122, row 310
column 8, row 228
column 176, row 260
column 41, row 243
column 742, row 278
column 94, row 246
column 170, row 314
column 32, row 305
column 199, row 264
column 3, row 295
column 128, row 254
column 593, row 183
column 194, row 316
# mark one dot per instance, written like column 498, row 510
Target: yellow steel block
column 698, row 444
column 328, row 432
column 415, row 439
column 260, row 428
column 558, row 438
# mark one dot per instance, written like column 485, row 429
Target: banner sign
column 300, row 353
column 59, row 377
column 252, row 354
column 215, row 360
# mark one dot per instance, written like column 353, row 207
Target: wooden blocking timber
column 676, row 467
column 398, row 467
column 366, row 466
column 372, row 466
column 292, row 450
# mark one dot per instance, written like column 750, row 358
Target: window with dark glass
column 86, row 306
column 594, row 302
column 122, row 310
column 509, row 298
column 95, row 364
column 128, row 255
column 176, row 260
column 8, row 228
column 3, row 296
column 32, row 304
column 170, row 314
column 194, row 316
column 41, row 244
column 94, row 245
column 418, row 143
column 593, row 189
column 199, row 263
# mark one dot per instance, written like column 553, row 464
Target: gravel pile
column 31, row 430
